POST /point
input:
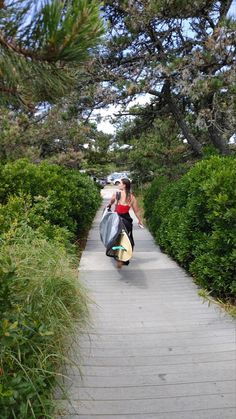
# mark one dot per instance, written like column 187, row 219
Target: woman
column 125, row 200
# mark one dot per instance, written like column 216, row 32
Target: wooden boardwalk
column 155, row 351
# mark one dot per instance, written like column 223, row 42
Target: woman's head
column 125, row 185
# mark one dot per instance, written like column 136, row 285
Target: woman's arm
column 135, row 207
column 113, row 198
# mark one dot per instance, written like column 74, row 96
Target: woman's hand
column 140, row 224
column 113, row 198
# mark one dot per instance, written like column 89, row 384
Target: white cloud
column 106, row 114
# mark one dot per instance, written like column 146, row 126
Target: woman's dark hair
column 127, row 184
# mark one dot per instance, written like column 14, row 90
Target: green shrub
column 40, row 301
column 151, row 194
column 193, row 219
column 20, row 211
column 42, row 208
column 68, row 198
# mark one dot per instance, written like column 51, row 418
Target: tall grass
column 42, row 302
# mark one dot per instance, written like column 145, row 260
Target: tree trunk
column 224, row 8
column 214, row 132
column 173, row 106
column 218, row 141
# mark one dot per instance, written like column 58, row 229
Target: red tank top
column 122, row 209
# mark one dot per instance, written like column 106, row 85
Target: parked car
column 112, row 176
column 117, row 180
column 102, row 182
column 117, row 175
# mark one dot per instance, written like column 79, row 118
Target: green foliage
column 21, row 211
column 177, row 8
column 61, row 196
column 40, row 300
column 58, row 135
column 40, row 297
column 151, row 195
column 40, row 41
column 194, row 221
column 193, row 63
column 157, row 148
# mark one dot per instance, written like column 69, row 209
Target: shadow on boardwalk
column 155, row 351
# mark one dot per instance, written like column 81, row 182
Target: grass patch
column 228, row 306
column 42, row 303
column 140, row 199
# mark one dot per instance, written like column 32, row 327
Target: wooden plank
column 154, row 350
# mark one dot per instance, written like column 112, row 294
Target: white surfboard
column 124, row 251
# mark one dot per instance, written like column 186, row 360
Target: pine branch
column 39, row 48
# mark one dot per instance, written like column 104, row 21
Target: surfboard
column 123, row 247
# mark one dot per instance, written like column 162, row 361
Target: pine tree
column 41, row 45
column 182, row 54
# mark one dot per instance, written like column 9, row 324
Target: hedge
column 193, row 219
column 63, row 197
column 43, row 209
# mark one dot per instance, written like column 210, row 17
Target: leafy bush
column 151, row 194
column 40, row 300
column 20, row 211
column 68, row 198
column 193, row 220
column 42, row 207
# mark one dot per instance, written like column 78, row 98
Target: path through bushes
column 154, row 350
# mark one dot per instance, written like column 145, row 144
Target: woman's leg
column 119, row 264
column 128, row 223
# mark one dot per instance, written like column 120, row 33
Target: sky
column 106, row 114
